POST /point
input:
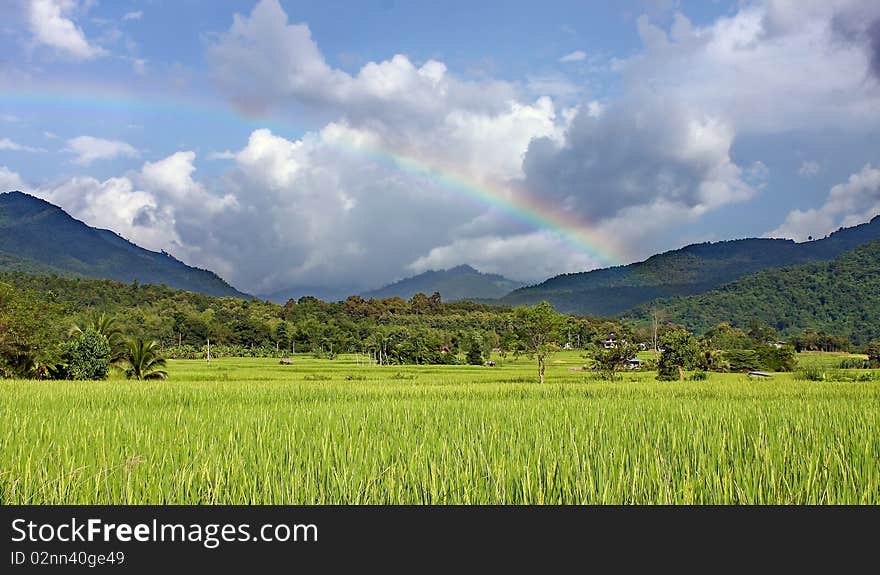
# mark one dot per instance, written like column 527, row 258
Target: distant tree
column 760, row 332
column 87, row 355
column 679, row 353
column 475, row 351
column 143, row 360
column 607, row 362
column 537, row 328
column 873, row 351
column 420, row 304
column 282, row 335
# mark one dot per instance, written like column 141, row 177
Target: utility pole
column 209, row 351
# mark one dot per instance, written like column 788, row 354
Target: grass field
column 250, row 431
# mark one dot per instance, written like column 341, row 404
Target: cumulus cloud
column 11, row 146
column 51, row 25
column 135, row 15
column 529, row 257
column 10, row 181
column 769, row 67
column 576, row 56
column 89, row 149
column 398, row 181
column 632, row 155
column 850, row 203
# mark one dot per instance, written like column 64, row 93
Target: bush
column 699, row 376
column 855, row 363
column 742, row 359
column 87, row 356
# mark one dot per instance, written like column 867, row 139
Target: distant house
column 444, row 349
column 779, row 344
column 634, row 363
column 760, row 374
column 610, row 341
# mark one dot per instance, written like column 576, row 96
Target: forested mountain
column 39, row 237
column 690, row 270
column 455, row 284
column 839, row 297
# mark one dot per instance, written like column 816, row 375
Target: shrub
column 87, row 356
column 699, row 376
column 742, row 359
column 855, row 363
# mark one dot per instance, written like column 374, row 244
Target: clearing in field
column 250, row 431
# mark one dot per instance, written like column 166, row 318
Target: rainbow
column 514, row 201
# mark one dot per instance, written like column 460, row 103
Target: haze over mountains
column 39, row 237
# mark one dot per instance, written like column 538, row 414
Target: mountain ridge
column 839, row 296
column 461, row 282
column 692, row 269
column 37, row 236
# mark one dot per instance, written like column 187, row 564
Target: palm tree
column 143, row 361
column 107, row 326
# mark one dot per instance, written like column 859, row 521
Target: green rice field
column 250, row 431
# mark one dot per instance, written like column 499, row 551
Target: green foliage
column 694, row 269
column 36, row 236
column 87, row 355
column 607, row 362
column 856, row 363
column 144, row 361
column 679, row 353
column 29, row 331
column 537, row 330
column 873, row 351
column 475, row 353
column 840, row 297
column 742, row 360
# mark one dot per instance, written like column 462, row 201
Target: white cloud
column 809, row 168
column 576, row 56
column 50, row 24
column 50, row 135
column 855, row 201
column 89, row 149
column 529, row 257
column 398, row 180
column 769, row 67
column 135, row 15
column 10, row 181
column 10, row 146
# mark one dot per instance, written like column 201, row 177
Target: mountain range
column 693, row 269
column 830, row 283
column 840, row 297
column 39, row 237
column 458, row 283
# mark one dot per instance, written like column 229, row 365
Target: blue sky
column 344, row 145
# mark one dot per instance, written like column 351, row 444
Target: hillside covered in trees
column 38, row 311
column 840, row 297
column 39, row 237
column 690, row 270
